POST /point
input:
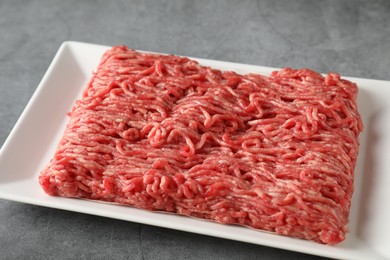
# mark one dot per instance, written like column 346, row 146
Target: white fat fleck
column 108, row 173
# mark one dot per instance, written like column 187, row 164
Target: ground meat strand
column 161, row 132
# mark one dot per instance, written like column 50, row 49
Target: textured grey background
column 351, row 37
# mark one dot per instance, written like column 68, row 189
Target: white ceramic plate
column 34, row 138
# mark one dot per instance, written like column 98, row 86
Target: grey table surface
column 351, row 37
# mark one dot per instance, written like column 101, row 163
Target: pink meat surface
column 161, row 132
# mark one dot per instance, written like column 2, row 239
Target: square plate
column 32, row 143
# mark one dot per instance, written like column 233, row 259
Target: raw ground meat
column 161, row 132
